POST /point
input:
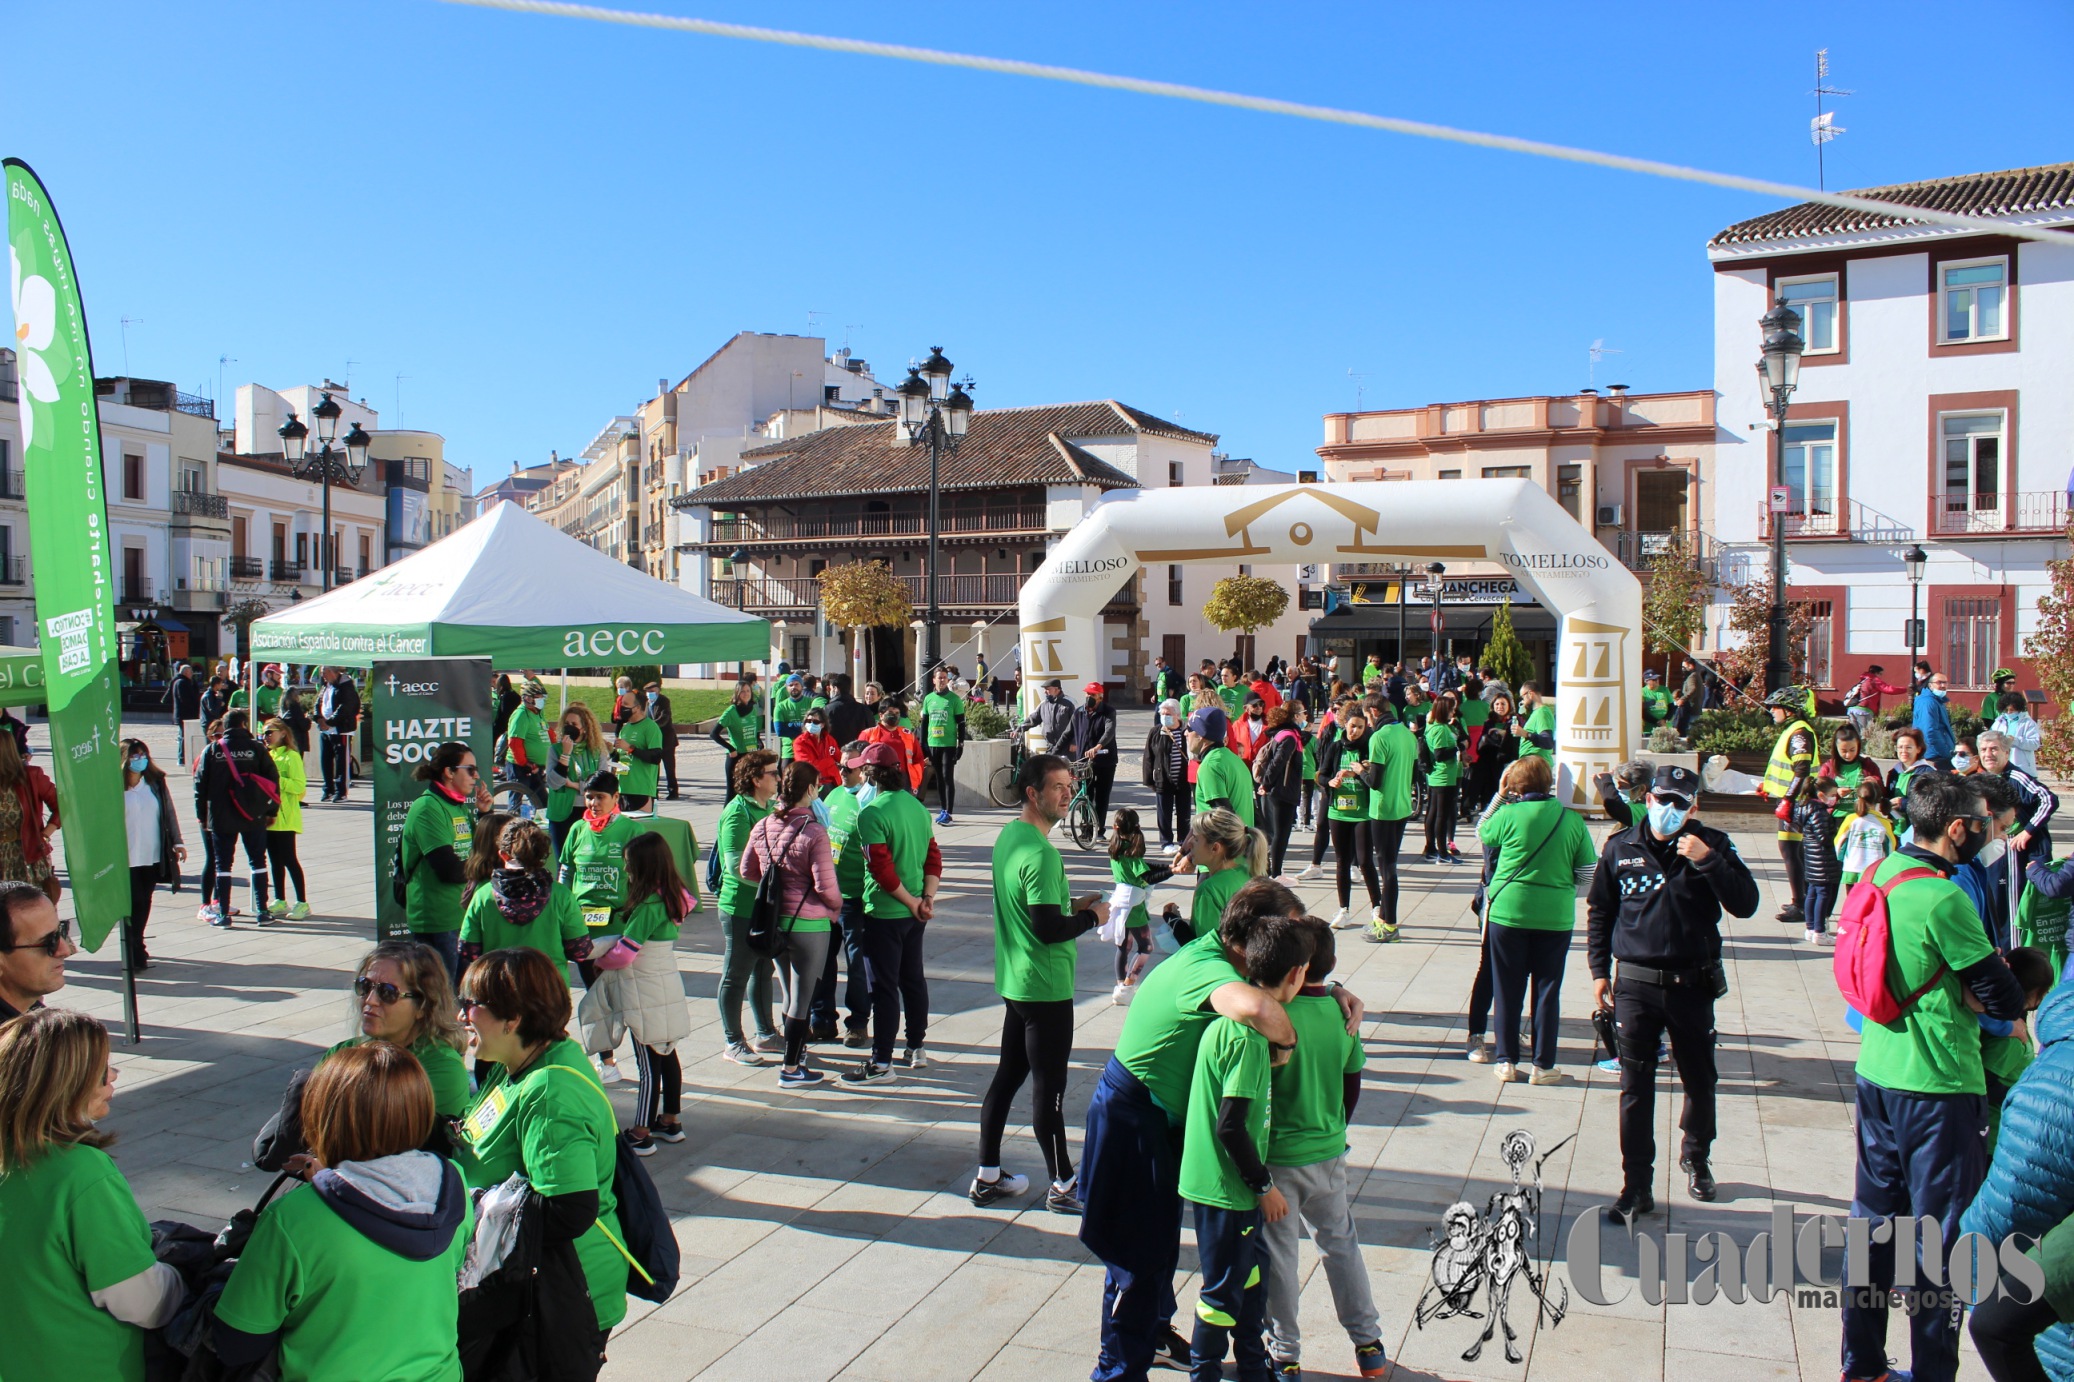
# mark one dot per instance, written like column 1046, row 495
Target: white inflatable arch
column 1516, row 523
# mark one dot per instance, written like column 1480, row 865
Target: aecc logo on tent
column 606, row 642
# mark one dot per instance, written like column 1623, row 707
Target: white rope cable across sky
column 1270, row 106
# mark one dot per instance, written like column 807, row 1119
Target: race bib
column 464, row 831
column 1347, row 801
column 482, row 1120
column 596, row 917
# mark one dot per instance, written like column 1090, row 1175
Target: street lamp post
column 934, row 409
column 327, row 465
column 1778, row 373
column 1436, row 570
column 1915, row 559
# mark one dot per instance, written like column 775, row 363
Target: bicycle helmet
column 1788, row 698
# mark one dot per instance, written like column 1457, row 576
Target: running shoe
column 741, row 1054
column 1506, row 1071
column 943, row 818
column 217, row 919
column 868, row 1073
column 986, row 1193
column 768, row 1044
column 856, row 1038
column 1551, row 1075
column 278, row 907
column 1174, row 1348
column 205, row 912
column 1369, row 1359
column 1611, row 1065
column 1385, row 934
column 1120, row 996
column 644, row 1145
column 299, row 911
column 1479, row 1051
column 608, row 1071
column 915, row 1059
column 801, row 1078
column 1064, row 1199
column 667, row 1132
column 1343, row 920
column 1309, row 872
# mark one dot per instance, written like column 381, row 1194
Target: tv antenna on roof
column 1360, row 388
column 1599, row 350
column 1823, row 127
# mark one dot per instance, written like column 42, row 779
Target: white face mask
column 1991, row 853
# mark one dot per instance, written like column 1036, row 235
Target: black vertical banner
column 417, row 706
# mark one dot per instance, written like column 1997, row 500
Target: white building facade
column 1933, row 407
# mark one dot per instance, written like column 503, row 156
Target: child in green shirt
column 1224, row 1173
column 1134, row 938
column 2005, row 1047
column 1314, row 1094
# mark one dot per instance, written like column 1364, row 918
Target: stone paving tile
column 826, row 1233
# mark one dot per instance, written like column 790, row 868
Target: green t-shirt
column 1475, row 711
column 1310, row 757
column 1392, row 746
column 647, row 921
column 1029, row 872
column 1848, row 776
column 1165, row 1022
column 941, row 713
column 1371, row 674
column 788, row 718
column 269, row 704
column 69, row 1226
column 1349, row 800
column 528, row 728
column 1535, row 886
column 1233, row 698
column 1230, row 1063
column 2006, row 1057
column 594, row 868
column 742, row 730
column 842, row 841
column 434, row 821
column 2042, row 921
column 560, row 922
column 1657, row 705
column 640, row 778
column 444, row 1067
column 683, row 843
column 579, row 765
column 1133, row 871
column 737, row 819
column 1222, row 774
column 1439, row 739
column 1541, row 721
column 1212, row 892
column 899, row 821
column 561, row 1135
column 1935, row 1046
column 347, row 1307
column 1310, row 1089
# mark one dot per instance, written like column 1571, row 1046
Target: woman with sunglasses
column 402, row 995
column 817, row 746
column 543, row 1114
column 82, row 1284
column 438, row 833
column 156, row 850
column 578, row 753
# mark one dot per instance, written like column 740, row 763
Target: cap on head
column 1209, row 722
column 1652, row 675
column 1674, row 781
column 1093, row 688
column 1054, row 685
column 875, row 756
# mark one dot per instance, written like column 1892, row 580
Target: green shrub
column 1664, row 739
column 985, row 721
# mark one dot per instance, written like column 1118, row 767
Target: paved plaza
column 826, row 1233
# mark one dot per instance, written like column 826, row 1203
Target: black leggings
column 1036, row 1040
column 1387, row 839
column 280, row 852
column 1796, row 872
column 2007, row 1334
column 1277, row 818
column 1440, row 819
column 945, row 761
column 1310, row 790
column 1130, row 954
column 662, row 1085
column 1349, row 847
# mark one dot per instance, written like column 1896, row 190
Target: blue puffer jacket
column 2030, row 1184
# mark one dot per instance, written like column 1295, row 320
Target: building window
column 1570, row 489
column 1508, row 472
column 1450, row 475
column 1972, row 641
column 1821, row 642
column 1811, row 467
column 1173, row 585
column 132, row 476
column 1815, row 300
column 1173, row 474
column 1972, row 469
column 1975, row 305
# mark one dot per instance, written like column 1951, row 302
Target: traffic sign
column 1782, row 499
column 1436, row 622
column 1913, row 633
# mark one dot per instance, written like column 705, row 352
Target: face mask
column 654, row 696
column 866, row 793
column 139, row 764
column 815, row 729
column 1961, row 762
column 1665, row 819
column 1991, row 853
column 1167, row 720
column 1939, row 694
column 1976, row 840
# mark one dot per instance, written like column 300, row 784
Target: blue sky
column 535, row 219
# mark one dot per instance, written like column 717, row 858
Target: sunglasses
column 50, row 943
column 385, row 994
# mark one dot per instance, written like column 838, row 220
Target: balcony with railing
column 136, row 592
column 197, row 503
column 288, row 572
column 1639, row 551
column 1843, row 520
column 1997, row 515
column 782, row 528
column 194, row 404
column 13, row 483
column 247, row 568
column 14, row 570
column 991, row 590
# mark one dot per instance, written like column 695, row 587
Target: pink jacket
column 806, row 884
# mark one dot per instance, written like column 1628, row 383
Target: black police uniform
column 1659, row 914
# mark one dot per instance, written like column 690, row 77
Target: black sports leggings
column 662, row 1084
column 1133, row 953
column 1387, row 838
column 1440, row 819
column 945, row 761
column 1349, row 847
column 1036, row 1040
column 280, row 852
column 2007, row 1334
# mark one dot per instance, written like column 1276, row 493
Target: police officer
column 1655, row 906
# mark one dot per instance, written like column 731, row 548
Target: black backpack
column 767, row 930
column 646, row 1241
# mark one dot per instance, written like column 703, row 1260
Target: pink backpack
column 1864, row 950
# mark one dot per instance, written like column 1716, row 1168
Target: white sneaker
column 1343, row 920
column 1814, row 937
column 741, row 1055
column 1309, row 871
column 1480, row 1053
column 1121, row 995
column 608, row 1071
column 1548, row 1076
column 1506, row 1071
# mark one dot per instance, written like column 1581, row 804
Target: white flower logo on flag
column 35, row 322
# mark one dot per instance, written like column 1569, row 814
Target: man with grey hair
column 1164, row 770
column 2036, row 802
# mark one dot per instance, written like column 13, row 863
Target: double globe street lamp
column 938, row 411
column 344, row 465
column 1778, row 374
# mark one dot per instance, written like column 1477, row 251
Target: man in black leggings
column 1036, row 925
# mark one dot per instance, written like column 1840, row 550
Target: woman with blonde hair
column 578, row 753
column 1228, row 854
column 82, row 1284
column 28, row 818
column 356, row 1273
column 402, row 995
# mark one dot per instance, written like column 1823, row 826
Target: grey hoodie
column 410, row 1203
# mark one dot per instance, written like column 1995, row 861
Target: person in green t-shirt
column 592, row 865
column 1037, row 922
column 1313, row 1095
column 1537, row 725
column 943, row 730
column 542, row 1113
column 1224, row 1174
column 1444, row 746
column 1228, row 854
column 353, row 1276
column 2005, row 1047
column 405, row 998
column 526, row 740
column 1658, row 705
column 641, row 740
column 1342, row 771
column 523, row 904
column 1221, row 776
column 843, row 803
column 82, row 1283
column 438, row 833
column 1231, row 692
column 742, row 970
column 789, row 714
column 738, row 730
column 903, row 869
column 1395, row 751
column 268, row 695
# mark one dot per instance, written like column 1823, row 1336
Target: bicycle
column 1001, row 789
column 1080, row 812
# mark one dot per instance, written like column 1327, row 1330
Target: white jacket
column 646, row 999
column 2023, row 739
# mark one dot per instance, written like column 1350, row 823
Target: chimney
column 1617, row 396
column 662, row 386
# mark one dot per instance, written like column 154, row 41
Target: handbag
column 767, row 934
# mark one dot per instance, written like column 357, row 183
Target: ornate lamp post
column 1915, row 559
column 1778, row 373
column 935, row 410
column 327, row 465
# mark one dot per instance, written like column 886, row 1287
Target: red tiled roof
column 2015, row 192
column 1004, row 446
